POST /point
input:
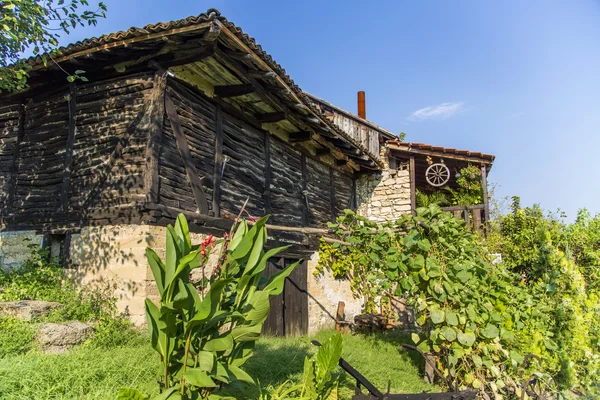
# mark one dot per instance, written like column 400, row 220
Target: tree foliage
column 36, row 25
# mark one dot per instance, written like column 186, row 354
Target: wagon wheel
column 437, row 174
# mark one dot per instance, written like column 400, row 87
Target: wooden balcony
column 475, row 216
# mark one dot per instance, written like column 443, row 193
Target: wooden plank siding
column 121, row 153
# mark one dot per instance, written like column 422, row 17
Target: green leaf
column 451, row 318
column 437, row 316
column 277, row 281
column 415, row 338
column 199, row 378
column 240, row 374
column 222, row 343
column 466, row 338
column 79, row 72
column 490, row 331
column 130, row 394
column 157, row 268
column 477, row 360
column 449, row 333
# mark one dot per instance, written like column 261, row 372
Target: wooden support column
column 68, row 171
column 486, row 206
column 186, row 156
column 216, row 202
column 332, row 194
column 154, row 137
column 354, row 196
column 413, row 187
column 304, row 191
column 12, row 189
column 267, row 191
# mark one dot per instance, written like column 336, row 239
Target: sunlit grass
column 94, row 374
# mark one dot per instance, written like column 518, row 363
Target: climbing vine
column 478, row 320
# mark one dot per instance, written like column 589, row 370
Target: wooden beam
column 12, row 189
column 212, row 33
column 323, row 151
column 413, row 187
column 154, row 137
column 262, row 74
column 186, row 156
column 225, row 91
column 68, row 171
column 486, row 209
column 302, row 136
column 238, row 55
column 304, row 190
column 271, row 117
column 216, row 202
column 267, row 189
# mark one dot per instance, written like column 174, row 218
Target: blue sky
column 518, row 79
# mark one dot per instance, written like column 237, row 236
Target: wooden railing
column 474, row 216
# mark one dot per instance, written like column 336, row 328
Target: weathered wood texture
column 286, row 185
column 10, row 117
column 108, row 151
column 343, row 191
column 289, row 310
column 197, row 117
column 243, row 168
column 319, row 201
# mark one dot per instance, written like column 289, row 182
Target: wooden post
column 332, row 194
column 354, row 196
column 154, row 137
column 267, row 191
column 476, row 219
column 304, row 191
column 486, row 207
column 64, row 194
column 413, row 188
column 12, row 190
column 216, row 201
column 339, row 316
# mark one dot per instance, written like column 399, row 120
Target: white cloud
column 440, row 111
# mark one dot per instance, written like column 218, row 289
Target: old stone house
column 191, row 116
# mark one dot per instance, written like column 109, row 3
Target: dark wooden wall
column 81, row 153
column 71, row 150
column 238, row 161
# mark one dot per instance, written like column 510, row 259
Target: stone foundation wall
column 384, row 196
column 14, row 248
column 324, row 294
column 114, row 257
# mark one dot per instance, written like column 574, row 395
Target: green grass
column 93, row 374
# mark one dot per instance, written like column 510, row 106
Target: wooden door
column 289, row 310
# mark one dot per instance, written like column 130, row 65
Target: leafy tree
column 36, row 25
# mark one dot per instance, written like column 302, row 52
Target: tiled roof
column 416, row 147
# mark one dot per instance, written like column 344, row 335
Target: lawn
column 94, row 374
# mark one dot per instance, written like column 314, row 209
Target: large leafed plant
column 205, row 330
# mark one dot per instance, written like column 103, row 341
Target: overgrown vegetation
column 42, row 278
column 469, row 191
column 36, row 25
column 480, row 320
